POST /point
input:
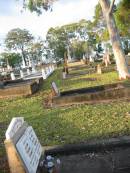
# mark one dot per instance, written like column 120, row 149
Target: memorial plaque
column 29, row 149
column 15, row 124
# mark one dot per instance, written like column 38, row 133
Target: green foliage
column 98, row 14
column 37, row 5
column 122, row 17
column 18, row 39
column 12, row 58
column 78, row 36
column 36, row 49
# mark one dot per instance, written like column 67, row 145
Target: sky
column 64, row 11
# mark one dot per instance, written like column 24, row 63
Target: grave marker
column 55, row 91
column 15, row 124
column 44, row 74
column 22, row 146
column 21, row 74
column 30, row 150
column 12, row 76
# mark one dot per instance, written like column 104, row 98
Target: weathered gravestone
column 23, row 147
column 55, row 90
column 44, row 74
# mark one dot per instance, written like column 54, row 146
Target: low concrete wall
column 103, row 95
column 20, row 89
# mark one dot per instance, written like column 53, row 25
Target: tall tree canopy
column 18, row 39
column 108, row 9
column 122, row 17
column 77, row 36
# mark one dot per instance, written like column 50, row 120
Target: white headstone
column 28, row 71
column 30, row 150
column 50, row 69
column 12, row 76
column 44, row 74
column 46, row 70
column 15, row 124
column 91, row 59
column 84, row 57
column 33, row 69
column 21, row 74
column 55, row 88
column 53, row 67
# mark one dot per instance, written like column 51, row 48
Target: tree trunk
column 121, row 63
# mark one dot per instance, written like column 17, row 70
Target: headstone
column 53, row 67
column 28, row 71
column 46, row 70
column 15, row 124
column 99, row 70
column 44, row 74
column 33, row 69
column 55, row 90
column 64, row 75
column 91, row 59
column 30, row 150
column 1, row 85
column 22, row 146
column 21, row 74
column 12, row 76
column 50, row 69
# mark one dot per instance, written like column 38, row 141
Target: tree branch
column 111, row 6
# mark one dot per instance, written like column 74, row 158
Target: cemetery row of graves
column 58, row 125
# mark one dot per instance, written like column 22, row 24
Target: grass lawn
column 72, row 124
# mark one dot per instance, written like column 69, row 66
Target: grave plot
column 19, row 87
column 25, row 154
column 86, row 69
column 91, row 95
column 104, row 156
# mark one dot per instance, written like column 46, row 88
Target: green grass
column 72, row 124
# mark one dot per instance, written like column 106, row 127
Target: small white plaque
column 29, row 149
column 13, row 127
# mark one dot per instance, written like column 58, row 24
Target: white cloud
column 63, row 13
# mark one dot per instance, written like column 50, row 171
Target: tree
column 11, row 59
column 36, row 50
column 122, row 67
column 122, row 17
column 107, row 9
column 18, row 39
